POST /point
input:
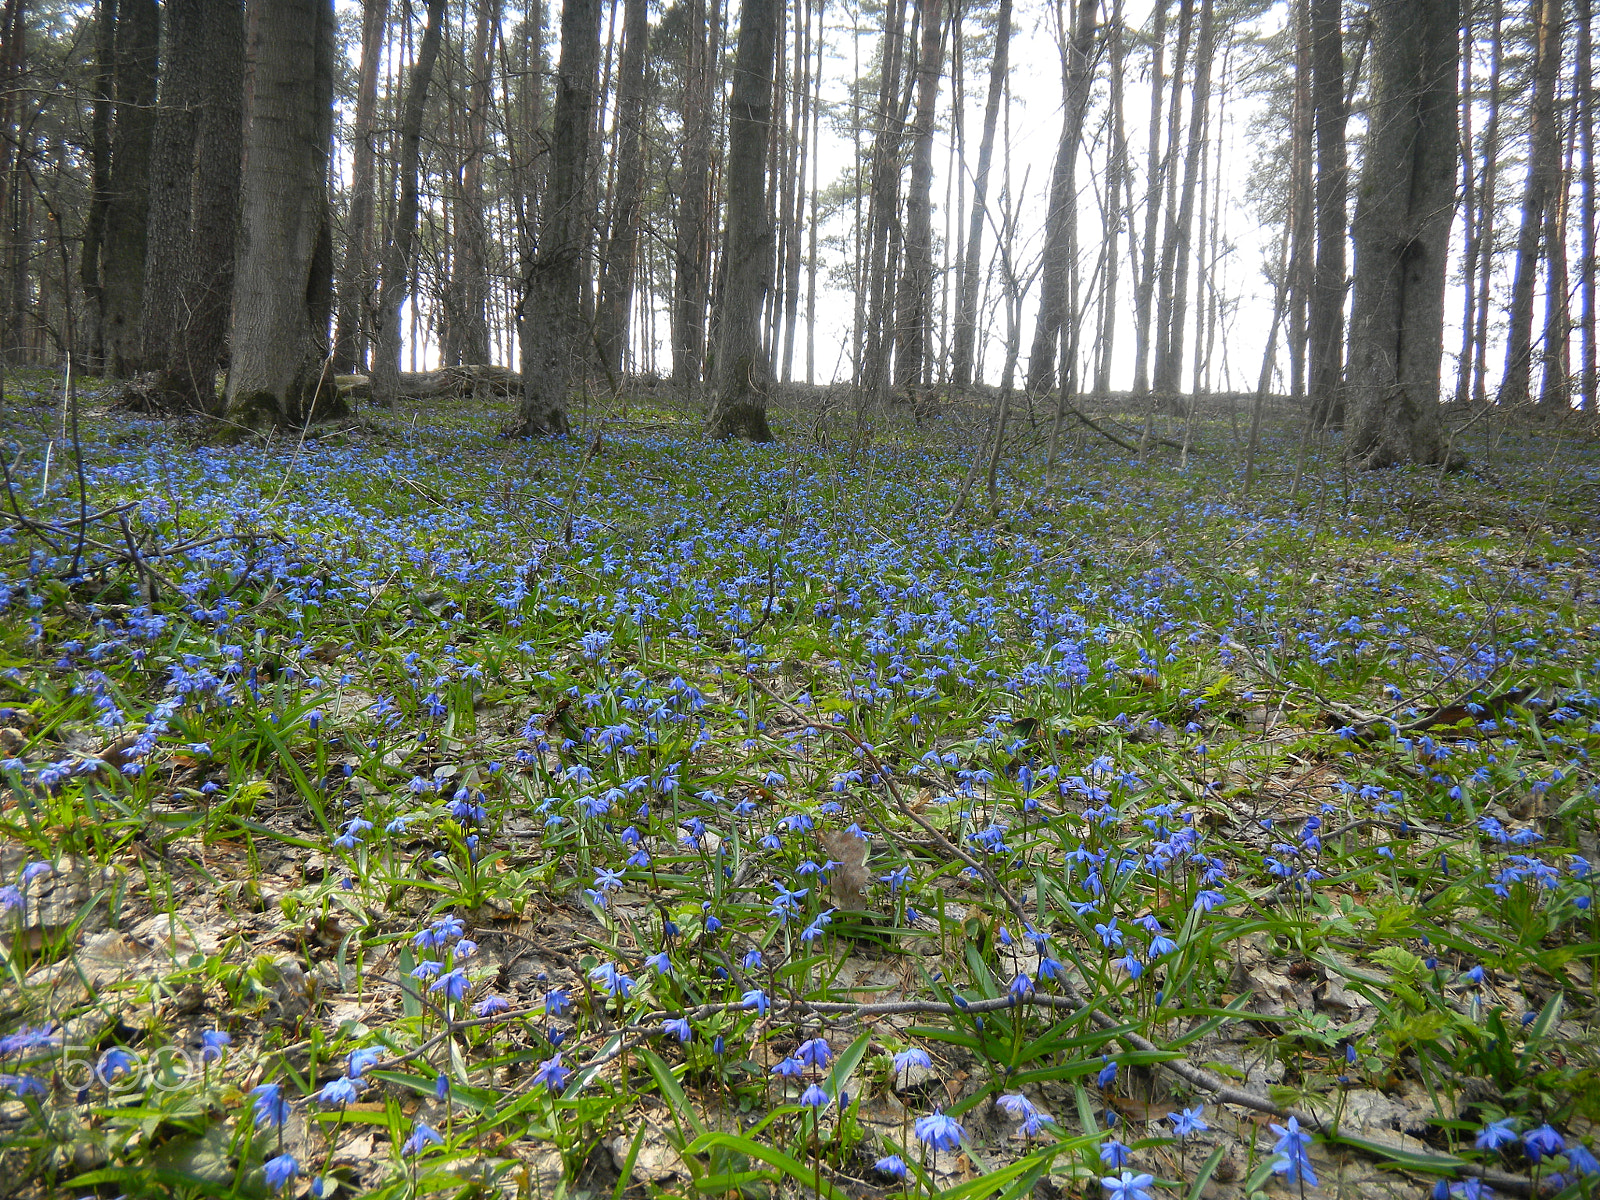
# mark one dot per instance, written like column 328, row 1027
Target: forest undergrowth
column 398, row 810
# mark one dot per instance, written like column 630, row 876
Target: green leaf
column 772, row 1156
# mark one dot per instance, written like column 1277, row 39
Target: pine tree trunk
column 127, row 215
column 1555, row 390
column 1485, row 224
column 1587, row 374
column 282, row 294
column 1404, row 208
column 552, row 317
column 397, row 267
column 617, row 272
column 913, row 305
column 1114, row 212
column 883, row 208
column 468, row 330
column 967, row 286
column 1145, row 285
column 1061, row 218
column 355, row 276
column 91, row 341
column 743, row 373
column 1538, row 199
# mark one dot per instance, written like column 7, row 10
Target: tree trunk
column 1485, row 224
column 91, row 341
column 1555, row 391
column 1169, row 351
column 617, row 272
column 743, row 372
column 914, row 302
column 1114, row 212
column 692, row 252
column 1404, row 210
column 1538, row 199
column 1145, row 284
column 282, row 294
column 355, row 279
column 552, row 317
column 1061, row 219
column 1586, row 209
column 397, row 265
column 127, row 215
column 883, row 207
column 468, row 332
column 967, row 287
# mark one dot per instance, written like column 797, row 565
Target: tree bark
column 1485, row 224
column 122, row 256
column 467, row 334
column 1114, row 212
column 913, row 304
column 91, row 341
column 617, row 272
column 967, row 288
column 1144, row 286
column 743, row 372
column 1538, row 199
column 883, row 207
column 1061, row 219
column 552, row 317
column 355, row 278
column 692, row 252
column 1404, row 209
column 397, row 269
column 282, row 294
column 1587, row 375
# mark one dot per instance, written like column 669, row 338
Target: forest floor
column 396, row 809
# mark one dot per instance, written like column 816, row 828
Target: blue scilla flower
column 939, row 1131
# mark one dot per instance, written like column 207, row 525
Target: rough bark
column 103, row 95
column 1061, row 218
column 966, row 329
column 1404, row 208
column 617, row 272
column 356, row 273
column 127, row 212
column 282, row 295
column 1538, row 199
column 396, row 271
column 1114, row 212
column 691, row 252
column 913, row 304
column 743, row 373
column 552, row 317
column 1586, row 209
column 883, row 207
column 1485, row 224
column 1144, row 286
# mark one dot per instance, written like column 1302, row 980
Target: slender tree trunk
column 743, row 372
column 883, row 206
column 617, row 272
column 1555, row 389
column 283, row 290
column 1061, row 219
column 355, row 279
column 914, row 302
column 467, row 338
column 1302, row 246
column 552, row 330
column 1538, row 199
column 816, row 163
column 127, row 215
column 795, row 190
column 1402, row 232
column 1145, row 284
column 1169, row 366
column 1485, row 224
column 1469, row 205
column 1114, row 212
column 967, row 286
column 91, row 340
column 395, row 278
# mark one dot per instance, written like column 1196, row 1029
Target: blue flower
column 1113, row 1153
column 1581, row 1160
column 339, row 1091
column 939, row 1131
column 815, row 1052
column 491, row 1006
column 1129, row 1186
column 1292, row 1162
column 1496, row 1134
column 814, row 1097
column 551, row 1073
column 1108, row 1073
column 1189, row 1122
column 757, row 999
column 268, row 1104
column 1542, row 1142
column 212, row 1043
column 678, row 1027
column 912, row 1056
column 422, row 1136
column 361, row 1059
column 892, row 1165
column 280, row 1170
column 114, row 1063
column 612, row 980
column 454, row 984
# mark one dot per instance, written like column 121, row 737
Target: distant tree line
column 204, row 189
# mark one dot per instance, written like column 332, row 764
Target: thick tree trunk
column 743, row 372
column 692, row 250
column 1404, row 209
column 967, row 287
column 396, row 274
column 883, row 207
column 617, row 272
column 1538, row 199
column 1061, row 219
column 1555, row 390
column 282, row 295
column 552, row 317
column 913, row 305
column 356, row 275
column 122, row 256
